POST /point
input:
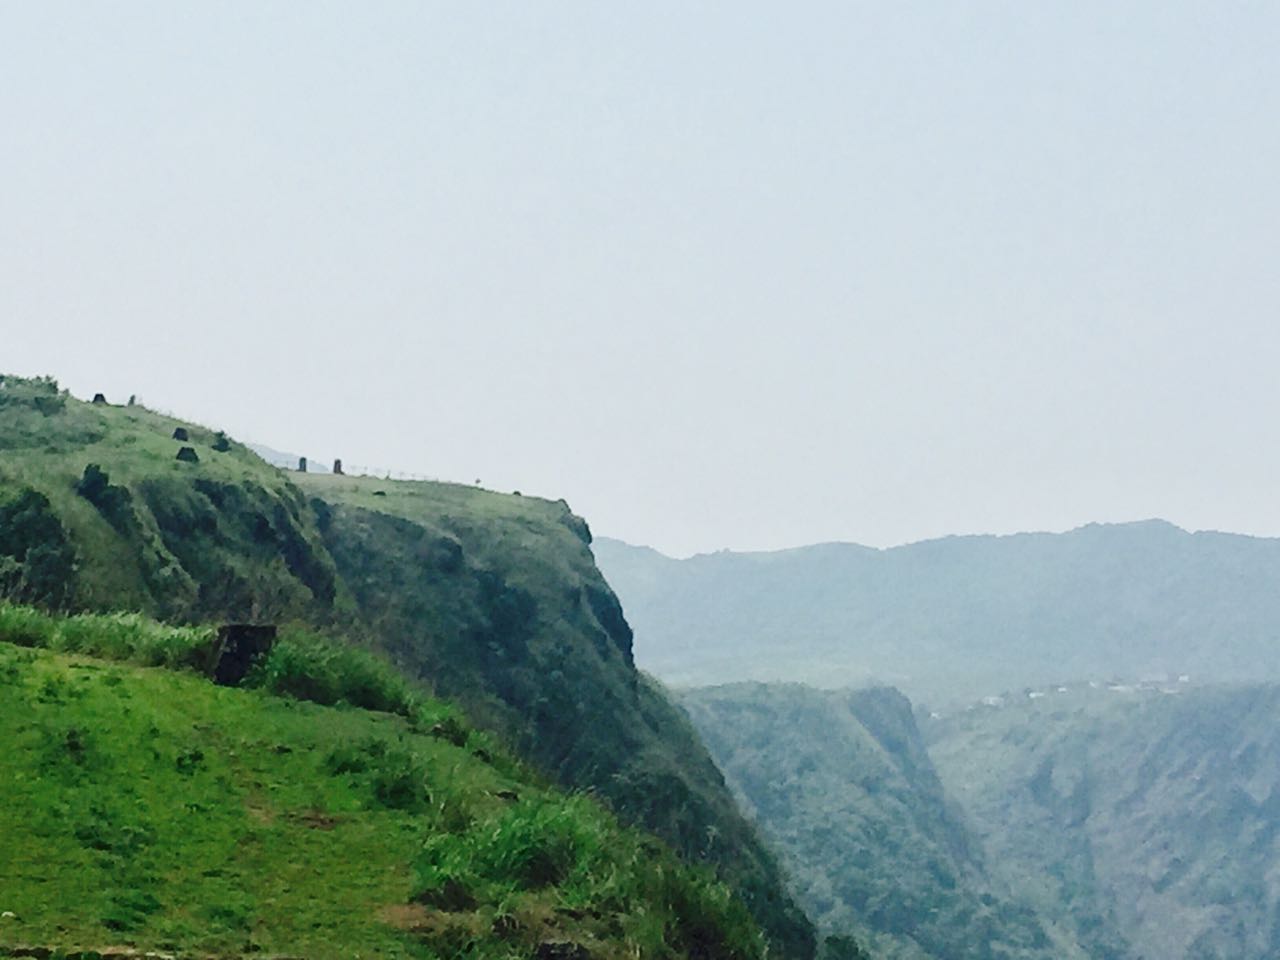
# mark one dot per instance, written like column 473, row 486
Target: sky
column 723, row 275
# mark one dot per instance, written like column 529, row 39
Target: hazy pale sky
column 720, row 274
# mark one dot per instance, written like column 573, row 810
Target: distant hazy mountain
column 963, row 616
column 1076, row 813
column 285, row 461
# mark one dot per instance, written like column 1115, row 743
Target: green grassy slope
column 537, row 645
column 489, row 599
column 842, row 783
column 148, row 807
column 228, row 536
column 1149, row 820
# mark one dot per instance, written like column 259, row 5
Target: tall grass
column 301, row 666
column 127, row 637
column 307, row 667
column 659, row 907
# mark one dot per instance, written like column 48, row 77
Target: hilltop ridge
column 493, row 600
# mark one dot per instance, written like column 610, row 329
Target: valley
column 1087, row 766
column 1123, row 824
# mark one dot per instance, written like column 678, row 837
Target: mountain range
column 1087, row 767
column 951, row 620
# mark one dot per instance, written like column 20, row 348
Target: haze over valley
column 1087, row 767
column 658, row 481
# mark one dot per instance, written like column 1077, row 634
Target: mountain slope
column 962, row 617
column 842, row 783
column 1154, row 815
column 150, row 808
column 493, row 600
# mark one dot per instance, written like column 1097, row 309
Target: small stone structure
column 239, row 646
column 188, row 455
column 302, row 464
column 99, row 399
column 180, row 433
column 220, row 443
column 337, row 467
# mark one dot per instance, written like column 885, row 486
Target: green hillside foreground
column 491, row 600
column 144, row 806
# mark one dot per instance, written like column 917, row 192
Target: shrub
column 400, row 783
column 130, row 908
column 115, row 503
column 451, row 730
column 307, row 667
column 109, row 636
column 43, row 565
column 102, row 830
column 132, row 637
column 534, row 844
column 539, row 844
column 93, row 484
column 26, row 626
column 354, row 758
column 296, row 668
column 661, row 907
column 396, row 779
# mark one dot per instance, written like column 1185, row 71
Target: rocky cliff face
column 1146, row 819
column 842, row 783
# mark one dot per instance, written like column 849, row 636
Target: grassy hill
column 841, row 781
column 146, row 807
column 491, row 600
column 1147, row 820
column 952, row 620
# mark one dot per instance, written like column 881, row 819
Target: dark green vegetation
column 1149, row 822
column 491, row 600
column 1087, row 822
column 842, row 782
column 955, row 619
column 149, row 807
